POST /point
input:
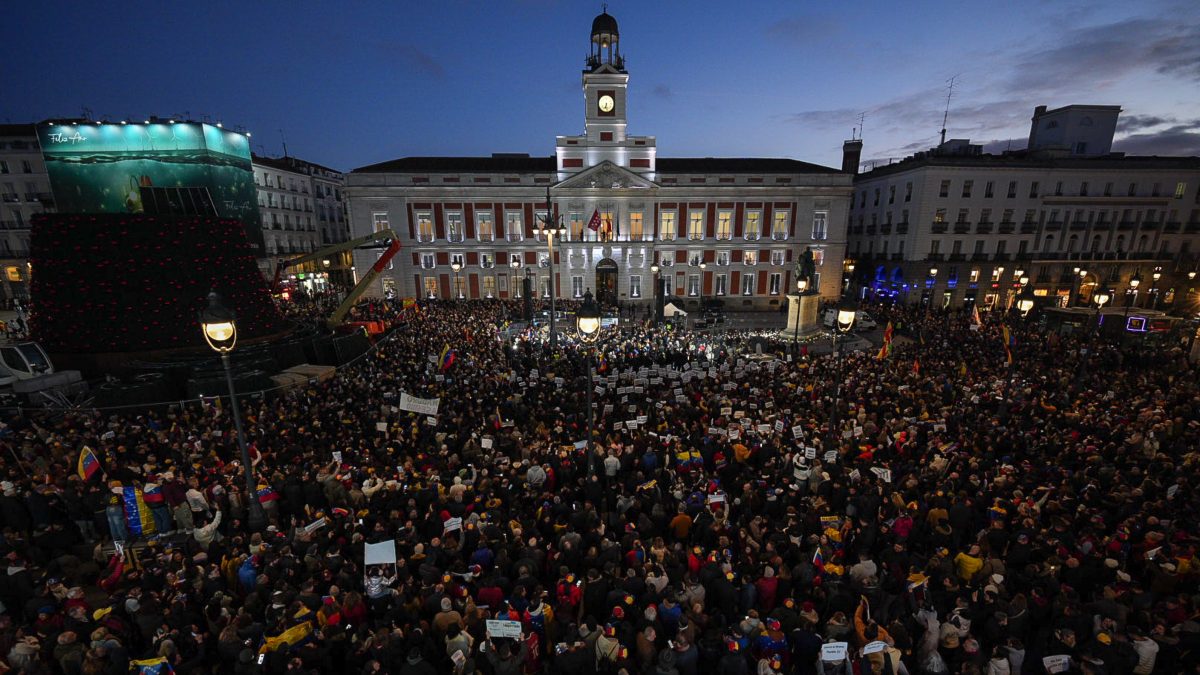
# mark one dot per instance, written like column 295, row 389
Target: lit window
column 635, row 226
column 668, row 227
column 777, row 257
column 721, row 286
column 775, row 282
column 635, row 286
column 695, row 225
column 693, row 288
column 457, row 258
column 974, row 277
column 577, row 287
column 779, row 226
column 513, row 228
column 487, row 260
column 485, row 226
column 750, row 257
column 1180, row 189
column 724, row 224
column 431, row 287
column 666, row 258
column 427, row 261
column 454, row 226
column 424, row 227
column 576, row 226
column 489, row 287
column 820, row 219
column 748, row 284
column 722, row 257
column 753, row 225
column 381, row 219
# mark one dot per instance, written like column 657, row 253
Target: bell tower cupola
column 606, row 44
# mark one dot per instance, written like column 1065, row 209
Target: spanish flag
column 88, row 465
column 886, row 350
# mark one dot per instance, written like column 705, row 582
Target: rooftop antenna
column 862, row 118
column 946, row 115
column 283, row 139
column 87, row 113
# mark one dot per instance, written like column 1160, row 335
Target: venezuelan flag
column 266, row 493
column 138, row 520
column 447, row 358
column 88, row 464
column 288, row 639
column 156, row 666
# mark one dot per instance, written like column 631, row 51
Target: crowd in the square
column 962, row 515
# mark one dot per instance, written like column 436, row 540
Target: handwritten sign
column 451, row 525
column 833, row 651
column 874, row 647
column 1060, row 663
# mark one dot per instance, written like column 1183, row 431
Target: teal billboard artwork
column 106, row 168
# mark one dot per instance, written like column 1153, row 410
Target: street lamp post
column 587, row 321
column 1100, row 298
column 1154, row 287
column 658, row 294
column 1082, row 277
column 703, row 266
column 219, row 325
column 1131, row 294
column 1025, row 303
column 457, row 285
column 933, row 272
column 846, row 313
column 550, row 233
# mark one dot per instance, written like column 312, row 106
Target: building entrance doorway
column 606, row 282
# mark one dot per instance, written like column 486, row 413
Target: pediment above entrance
column 607, row 176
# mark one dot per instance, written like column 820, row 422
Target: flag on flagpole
column 594, row 222
column 886, row 350
column 88, row 464
column 975, row 316
column 1009, row 342
column 917, row 366
column 446, row 358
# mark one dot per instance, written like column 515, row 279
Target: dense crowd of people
column 962, row 515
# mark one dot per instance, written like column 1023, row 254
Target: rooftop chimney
column 851, row 154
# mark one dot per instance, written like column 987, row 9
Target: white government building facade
column 958, row 227
column 730, row 228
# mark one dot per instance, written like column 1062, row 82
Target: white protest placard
column 779, row 426
column 314, row 526
column 858, row 431
column 533, row 373
column 559, row 381
column 599, row 390
column 431, row 421
column 833, row 651
column 383, row 553
column 618, row 426
column 486, row 443
column 873, row 647
column 831, row 456
column 1060, row 663
column 739, row 414
column 642, row 419
column 713, row 431
column 381, row 426
column 885, row 474
column 726, row 411
column 810, row 453
column 855, row 475
column 797, row 431
column 337, row 456
column 451, row 525
column 503, row 628
column 424, row 406
column 608, row 408
column 439, row 378
column 579, row 445
column 764, row 428
column 735, row 433
column 717, row 498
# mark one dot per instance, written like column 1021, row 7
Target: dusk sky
column 354, row 83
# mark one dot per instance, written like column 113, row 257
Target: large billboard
column 152, row 168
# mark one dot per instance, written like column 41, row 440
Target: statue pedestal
column 802, row 315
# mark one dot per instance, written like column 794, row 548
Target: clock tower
column 605, row 83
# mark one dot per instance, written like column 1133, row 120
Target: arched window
column 1120, row 243
column 1142, row 242
column 898, row 275
column 1095, row 243
column 881, row 273
column 1049, row 245
column 1072, row 243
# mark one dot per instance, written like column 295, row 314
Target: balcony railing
column 983, row 228
column 1171, row 227
column 1054, row 225
column 1078, row 225
column 1126, row 225
column 962, row 228
column 1026, row 228
column 902, row 228
column 1000, row 257
column 940, row 228
column 935, row 257
column 957, row 257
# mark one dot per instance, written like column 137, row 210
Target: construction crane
column 387, row 237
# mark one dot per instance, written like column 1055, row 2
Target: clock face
column 606, row 103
